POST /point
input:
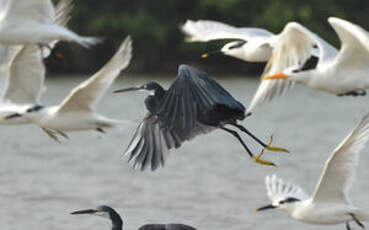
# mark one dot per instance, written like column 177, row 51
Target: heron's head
column 102, row 211
column 286, row 203
column 149, row 86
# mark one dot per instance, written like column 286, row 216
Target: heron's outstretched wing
column 354, row 52
column 205, row 30
column 87, row 94
column 278, row 189
column 192, row 96
column 29, row 10
column 340, row 168
column 25, row 81
column 296, row 47
column 151, row 143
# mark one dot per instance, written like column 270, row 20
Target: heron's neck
column 116, row 221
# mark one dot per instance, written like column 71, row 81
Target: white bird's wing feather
column 354, row 52
column 25, row 81
column 87, row 94
column 293, row 47
column 204, row 30
column 340, row 169
column 28, row 10
column 6, row 55
column 278, row 189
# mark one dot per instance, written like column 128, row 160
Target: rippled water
column 209, row 183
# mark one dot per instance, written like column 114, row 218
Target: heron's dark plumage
column 117, row 222
column 194, row 104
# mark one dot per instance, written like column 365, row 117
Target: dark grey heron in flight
column 117, row 222
column 194, row 104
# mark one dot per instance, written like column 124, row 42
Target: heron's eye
column 281, row 202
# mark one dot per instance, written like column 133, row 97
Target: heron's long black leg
column 348, row 226
column 243, row 129
column 235, row 134
column 357, row 221
column 256, row 159
column 269, row 147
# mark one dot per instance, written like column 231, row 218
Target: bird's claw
column 273, row 148
column 257, row 159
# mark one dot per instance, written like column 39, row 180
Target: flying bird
column 194, row 104
column 24, row 70
column 77, row 110
column 25, row 22
column 117, row 222
column 250, row 44
column 330, row 202
column 343, row 72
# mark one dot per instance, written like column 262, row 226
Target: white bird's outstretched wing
column 28, row 10
column 340, row 168
column 25, row 80
column 204, row 30
column 87, row 94
column 293, row 47
column 354, row 52
column 6, row 55
column 278, row 189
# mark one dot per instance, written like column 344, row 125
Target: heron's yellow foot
column 51, row 134
column 204, row 55
column 257, row 159
column 273, row 148
column 275, row 76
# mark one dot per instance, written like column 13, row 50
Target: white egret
column 24, row 70
column 294, row 59
column 251, row 45
column 330, row 202
column 77, row 110
column 25, row 22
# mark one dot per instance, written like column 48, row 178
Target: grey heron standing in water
column 117, row 222
column 194, row 104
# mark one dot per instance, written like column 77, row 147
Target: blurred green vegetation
column 158, row 43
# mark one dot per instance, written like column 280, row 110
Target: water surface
column 209, row 183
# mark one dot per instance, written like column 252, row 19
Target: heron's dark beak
column 14, row 115
column 86, row 211
column 205, row 55
column 128, row 89
column 269, row 206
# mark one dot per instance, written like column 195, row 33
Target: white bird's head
column 286, row 203
column 245, row 51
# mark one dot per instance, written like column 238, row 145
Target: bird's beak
column 269, row 206
column 86, row 211
column 13, row 115
column 128, row 89
column 205, row 55
column 275, row 76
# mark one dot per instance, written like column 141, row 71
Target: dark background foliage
column 159, row 45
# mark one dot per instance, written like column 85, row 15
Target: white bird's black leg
column 354, row 93
column 100, row 130
column 357, row 221
column 348, row 226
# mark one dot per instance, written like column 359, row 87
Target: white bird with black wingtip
column 330, row 202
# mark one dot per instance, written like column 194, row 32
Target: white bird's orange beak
column 275, row 76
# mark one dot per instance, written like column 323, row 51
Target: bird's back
column 166, row 227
